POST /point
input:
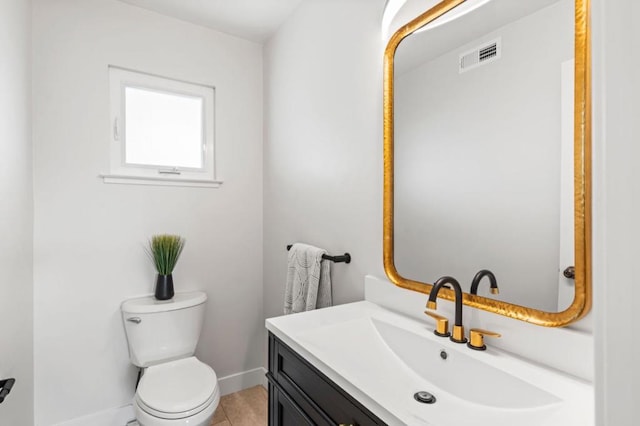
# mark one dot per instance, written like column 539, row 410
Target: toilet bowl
column 181, row 392
column 175, row 388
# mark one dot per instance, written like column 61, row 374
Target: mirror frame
column 582, row 178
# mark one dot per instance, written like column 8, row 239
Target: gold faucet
column 476, row 336
column 458, row 329
column 479, row 276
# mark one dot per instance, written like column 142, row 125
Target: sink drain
column 424, row 397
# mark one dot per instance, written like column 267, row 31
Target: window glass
column 163, row 129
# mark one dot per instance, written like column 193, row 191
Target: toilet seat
column 173, row 416
column 177, row 389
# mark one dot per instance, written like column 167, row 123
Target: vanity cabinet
column 299, row 394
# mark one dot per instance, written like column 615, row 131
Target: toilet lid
column 177, row 386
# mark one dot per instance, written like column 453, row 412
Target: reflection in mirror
column 483, row 151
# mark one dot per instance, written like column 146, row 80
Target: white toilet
column 176, row 388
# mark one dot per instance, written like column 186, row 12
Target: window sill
column 160, row 181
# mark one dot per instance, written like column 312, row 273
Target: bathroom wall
column 16, row 212
column 89, row 236
column 323, row 150
column 616, row 59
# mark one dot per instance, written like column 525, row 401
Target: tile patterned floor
column 245, row 408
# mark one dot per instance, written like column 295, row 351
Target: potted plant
column 164, row 250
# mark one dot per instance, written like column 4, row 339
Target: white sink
column 459, row 374
column 383, row 358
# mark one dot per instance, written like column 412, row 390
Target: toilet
column 175, row 388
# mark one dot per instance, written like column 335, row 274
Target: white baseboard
column 121, row 415
column 239, row 381
column 112, row 417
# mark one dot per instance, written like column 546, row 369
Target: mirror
column 487, row 154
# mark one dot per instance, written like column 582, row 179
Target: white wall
column 616, row 208
column 323, row 146
column 89, row 236
column 16, row 212
column 477, row 162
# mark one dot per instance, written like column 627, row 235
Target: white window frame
column 120, row 171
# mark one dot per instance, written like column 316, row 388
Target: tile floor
column 245, row 408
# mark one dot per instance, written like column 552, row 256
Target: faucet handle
column 476, row 338
column 442, row 324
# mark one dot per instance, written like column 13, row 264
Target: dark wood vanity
column 299, row 394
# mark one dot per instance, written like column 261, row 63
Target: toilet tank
column 163, row 330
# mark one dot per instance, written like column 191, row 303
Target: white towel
column 308, row 280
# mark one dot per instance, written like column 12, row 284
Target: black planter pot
column 164, row 287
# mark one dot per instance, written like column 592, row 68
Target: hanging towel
column 308, row 279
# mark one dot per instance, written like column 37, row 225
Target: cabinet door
column 322, row 401
column 283, row 411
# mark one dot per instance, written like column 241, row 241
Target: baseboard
column 112, row 417
column 239, row 381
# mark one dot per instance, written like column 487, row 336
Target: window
column 161, row 130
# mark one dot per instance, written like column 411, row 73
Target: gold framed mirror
column 579, row 158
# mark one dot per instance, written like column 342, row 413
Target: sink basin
column 459, row 374
column 383, row 358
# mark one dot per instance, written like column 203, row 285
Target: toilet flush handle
column 137, row 320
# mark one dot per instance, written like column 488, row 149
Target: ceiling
column 254, row 20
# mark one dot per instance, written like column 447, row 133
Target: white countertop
column 343, row 344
